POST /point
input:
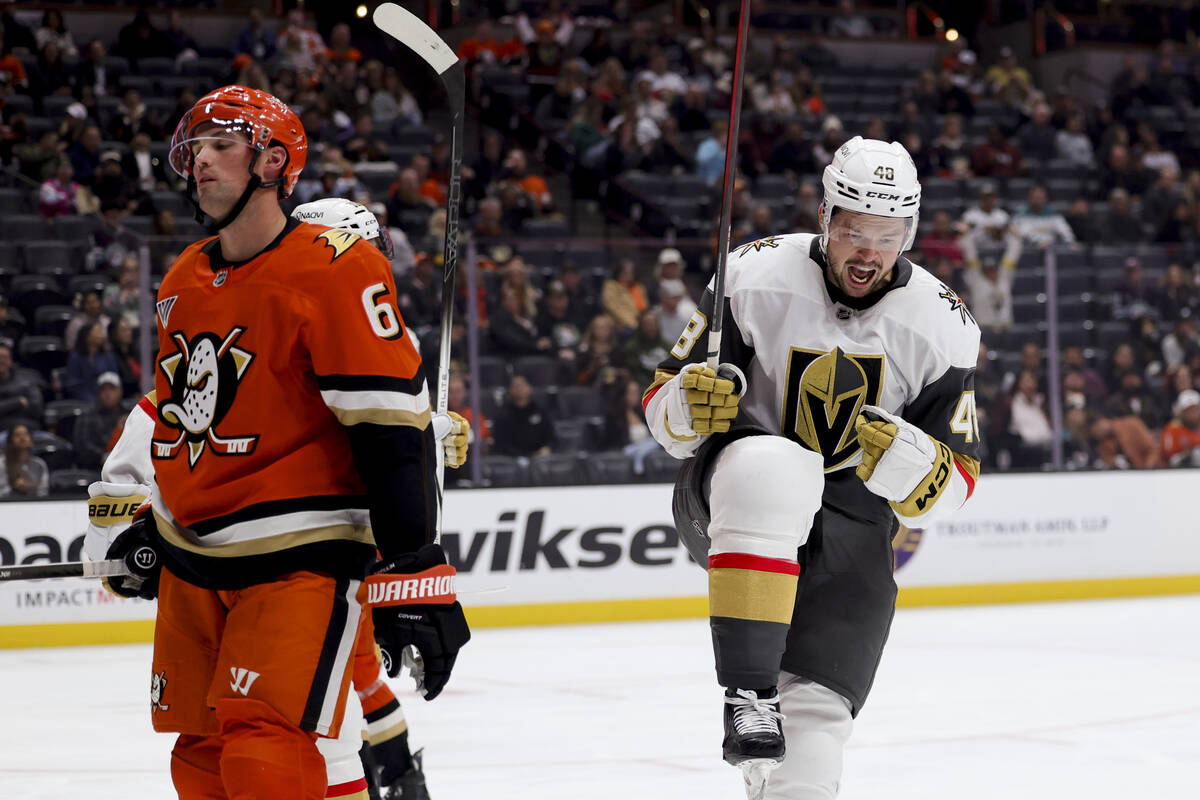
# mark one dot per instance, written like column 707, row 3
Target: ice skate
column 753, row 737
column 410, row 785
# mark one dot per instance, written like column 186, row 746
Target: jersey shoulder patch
column 336, row 240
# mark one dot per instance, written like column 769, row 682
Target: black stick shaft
column 731, row 143
column 69, row 569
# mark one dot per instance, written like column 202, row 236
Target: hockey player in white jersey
column 854, row 411
column 383, row 765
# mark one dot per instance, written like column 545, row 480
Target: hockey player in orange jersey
column 292, row 438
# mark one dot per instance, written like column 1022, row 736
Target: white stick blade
column 408, row 29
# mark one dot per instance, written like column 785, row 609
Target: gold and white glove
column 901, row 463
column 710, row 399
column 454, row 432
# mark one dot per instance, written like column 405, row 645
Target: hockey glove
column 454, row 432
column 136, row 547
column 413, row 606
column 709, row 399
column 901, row 463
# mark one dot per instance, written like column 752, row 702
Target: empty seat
column 27, row 292
column 24, row 228
column 554, row 470
column 174, row 202
column 82, row 284
column 12, row 201
column 609, row 468
column 493, row 371
column 72, row 481
column 569, row 435
column 43, row 353
column 547, row 228
column 540, row 370
column 52, row 320
column 581, row 401
column 56, row 451
column 60, row 416
column 74, row 229
column 662, row 467
column 505, row 471
column 50, row 258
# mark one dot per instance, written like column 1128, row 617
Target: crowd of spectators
column 628, row 97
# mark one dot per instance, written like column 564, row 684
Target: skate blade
column 756, row 772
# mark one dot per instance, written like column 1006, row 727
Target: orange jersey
column 1177, row 437
column 260, row 366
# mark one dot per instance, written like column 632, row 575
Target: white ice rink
column 1091, row 700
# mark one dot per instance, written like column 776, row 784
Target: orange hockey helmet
column 264, row 119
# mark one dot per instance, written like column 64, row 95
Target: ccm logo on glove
column 433, row 586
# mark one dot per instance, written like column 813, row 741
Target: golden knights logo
column 956, row 303
column 339, row 240
column 202, row 393
column 822, row 397
column 758, row 245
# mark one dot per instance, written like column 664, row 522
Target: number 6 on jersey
column 381, row 314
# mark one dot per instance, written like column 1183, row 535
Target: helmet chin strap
column 254, row 184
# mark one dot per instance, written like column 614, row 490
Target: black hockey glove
column 136, row 547
column 413, row 607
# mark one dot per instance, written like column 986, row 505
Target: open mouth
column 860, row 276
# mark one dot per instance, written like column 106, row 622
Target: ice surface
column 1097, row 700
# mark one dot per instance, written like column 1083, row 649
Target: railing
column 913, row 17
column 1050, row 18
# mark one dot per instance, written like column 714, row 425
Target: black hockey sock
column 392, row 757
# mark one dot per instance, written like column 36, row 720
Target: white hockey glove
column 110, row 510
column 901, row 463
column 454, row 432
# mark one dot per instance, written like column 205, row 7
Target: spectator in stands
column 522, row 427
column 545, row 45
column 418, row 296
column 144, row 169
column 21, row 472
column 674, row 308
column 1132, row 399
column 1181, row 344
column 1119, row 225
column 986, row 222
column 177, row 42
column 1038, row 138
column 952, row 98
column 11, row 327
column 482, row 46
column 1160, row 203
column 849, row 22
column 140, row 39
column 646, row 348
column 512, row 329
column 17, row 36
column 1031, row 361
column 112, row 188
column 85, row 155
column 1038, row 224
column 1121, row 173
column 988, row 382
column 255, row 40
column 599, row 353
column 95, row 429
column 20, row 396
column 1073, row 361
column 925, row 94
column 1134, row 294
column 942, row 241
column 516, row 170
column 1181, row 435
column 129, row 365
column 1179, row 296
column 759, row 225
column 92, row 73
column 996, row 157
column 516, row 276
column 52, row 76
column 121, row 300
column 1029, row 421
column 710, row 153
column 54, row 31
column 90, row 310
column 833, row 136
column 1077, row 443
column 625, row 424
column 1153, row 157
column 129, row 117
column 807, row 203
column 407, row 206
column 299, row 45
column 792, row 154
column 555, row 322
column 583, row 304
column 90, row 358
column 1073, row 144
column 625, row 153
column 635, row 52
column 691, row 110
column 458, row 401
column 624, row 298
column 39, row 160
column 58, row 194
column 393, row 101
column 670, row 154
column 340, row 49
column 950, row 145
column 1007, row 80
column 1083, row 222
column 989, row 282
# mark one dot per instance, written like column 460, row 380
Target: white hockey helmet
column 872, row 177
column 346, row 215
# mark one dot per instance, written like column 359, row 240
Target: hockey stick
column 114, row 568
column 731, row 143
column 414, row 34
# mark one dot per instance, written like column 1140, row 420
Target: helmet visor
column 869, row 231
column 190, row 134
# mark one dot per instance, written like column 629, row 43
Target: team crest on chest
column 823, row 394
column 204, row 374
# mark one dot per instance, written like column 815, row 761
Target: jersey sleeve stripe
column 753, row 562
column 269, row 535
column 149, row 403
column 380, row 407
column 370, row 383
column 966, row 476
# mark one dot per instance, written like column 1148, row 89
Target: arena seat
column 57, row 452
column 72, row 481
column 51, row 320
column 27, row 292
column 50, row 258
column 579, row 401
column 43, row 353
column 504, row 471
column 609, row 468
column 60, row 416
column 555, row 469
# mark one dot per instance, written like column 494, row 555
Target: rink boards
column 590, row 554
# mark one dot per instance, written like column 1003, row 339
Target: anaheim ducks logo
column 202, row 393
column 823, row 394
column 339, row 240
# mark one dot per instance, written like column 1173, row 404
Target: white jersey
column 814, row 357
